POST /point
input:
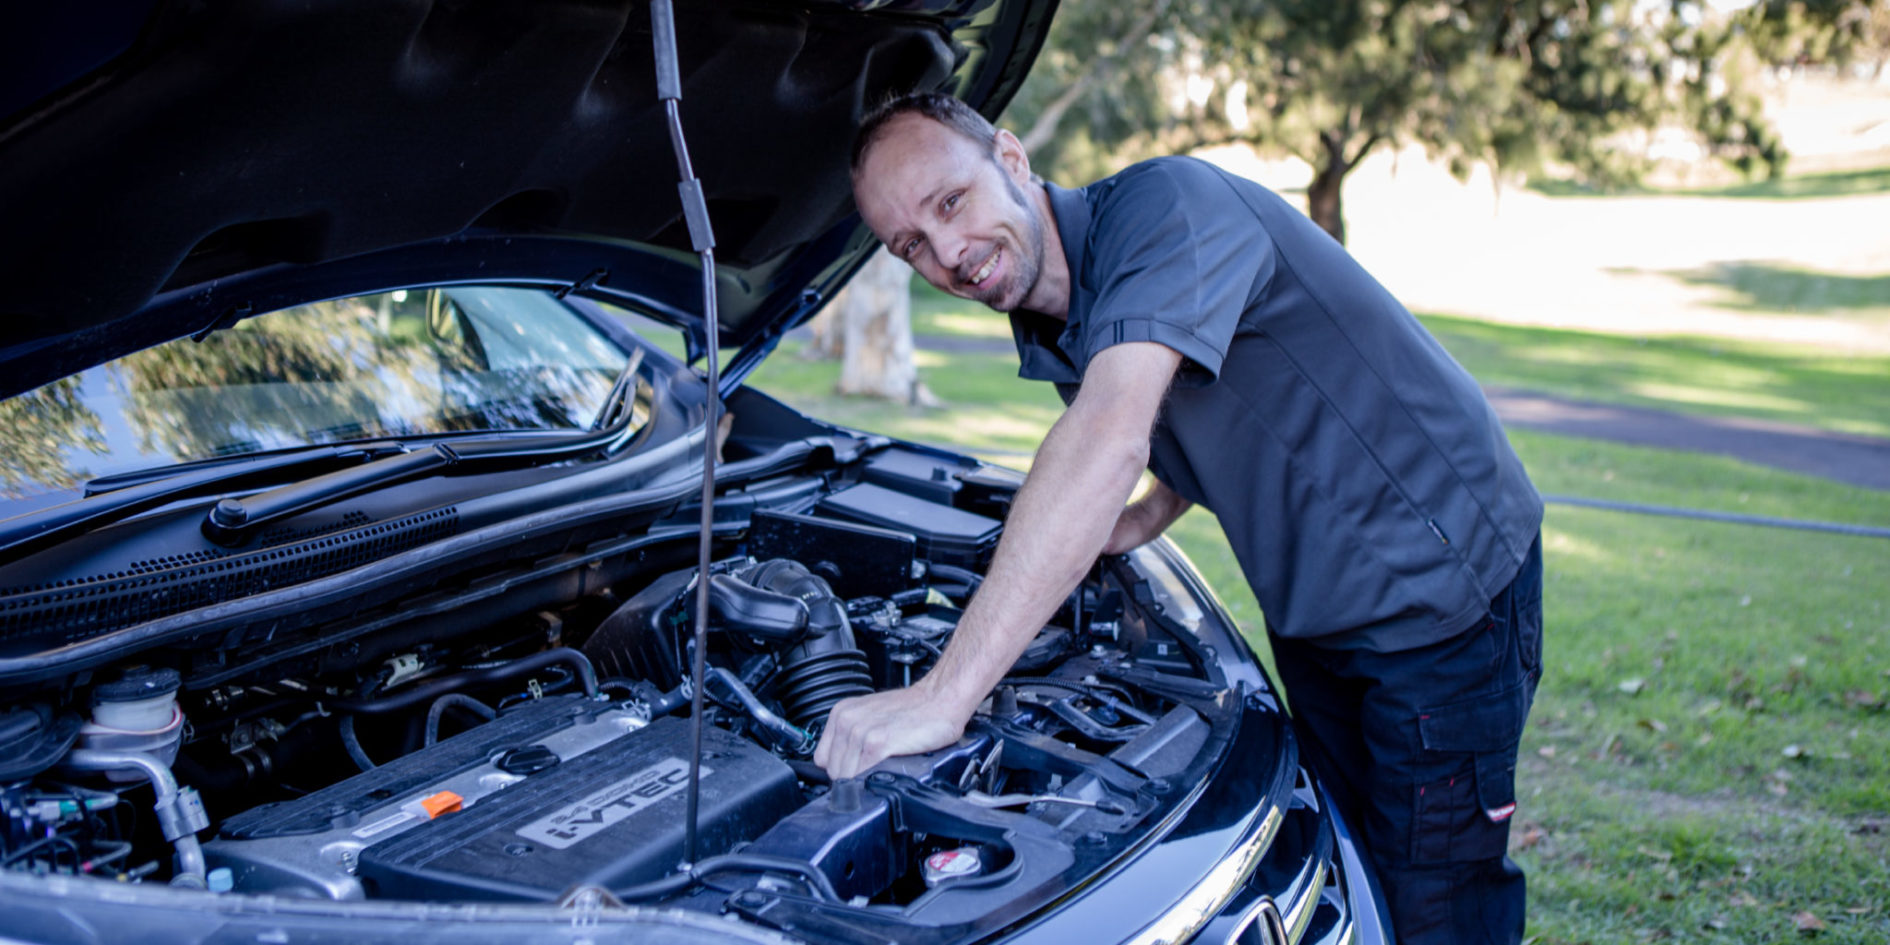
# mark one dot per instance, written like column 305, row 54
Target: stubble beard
column 1027, row 266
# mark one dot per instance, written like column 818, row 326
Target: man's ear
column 1009, row 154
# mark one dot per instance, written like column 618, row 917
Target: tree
column 1835, row 32
column 44, row 436
column 1513, row 83
column 869, row 327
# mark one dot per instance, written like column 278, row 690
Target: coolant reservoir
column 136, row 712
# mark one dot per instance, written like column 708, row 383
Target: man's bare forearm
column 1078, row 484
column 1145, row 518
column 1069, row 504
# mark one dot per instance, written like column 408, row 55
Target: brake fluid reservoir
column 136, row 712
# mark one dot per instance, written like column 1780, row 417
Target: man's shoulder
column 1172, row 188
column 1171, row 176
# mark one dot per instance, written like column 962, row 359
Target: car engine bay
column 536, row 757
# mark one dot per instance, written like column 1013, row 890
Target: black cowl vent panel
column 74, row 610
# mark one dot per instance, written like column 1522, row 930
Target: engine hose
column 810, row 687
column 784, row 733
column 826, row 666
column 953, row 574
column 451, row 700
column 353, row 744
column 433, row 690
column 817, row 881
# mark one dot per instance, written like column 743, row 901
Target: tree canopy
column 1517, row 84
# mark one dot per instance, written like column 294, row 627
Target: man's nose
column 949, row 247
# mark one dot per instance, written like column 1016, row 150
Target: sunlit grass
column 1720, row 399
column 1772, row 287
column 985, row 405
column 964, row 326
column 1709, row 743
column 1597, row 469
column 935, row 313
column 1723, row 377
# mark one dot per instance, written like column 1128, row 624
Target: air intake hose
column 825, row 666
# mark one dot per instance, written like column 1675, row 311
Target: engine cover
column 601, row 803
column 611, row 817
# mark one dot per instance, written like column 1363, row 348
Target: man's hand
column 865, row 730
column 1145, row 518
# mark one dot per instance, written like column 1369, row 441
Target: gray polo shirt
column 1359, row 474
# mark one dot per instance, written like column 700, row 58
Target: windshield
column 396, row 364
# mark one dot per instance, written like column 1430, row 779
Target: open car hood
column 170, row 167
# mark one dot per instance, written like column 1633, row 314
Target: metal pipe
column 1731, row 518
column 179, row 814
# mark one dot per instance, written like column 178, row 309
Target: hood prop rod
column 702, row 237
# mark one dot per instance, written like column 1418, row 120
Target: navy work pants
column 1418, row 749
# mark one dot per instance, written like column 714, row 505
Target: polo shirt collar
column 1043, row 342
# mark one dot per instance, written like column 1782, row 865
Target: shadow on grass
column 1770, row 287
column 1833, row 184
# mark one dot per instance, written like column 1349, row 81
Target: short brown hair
column 951, row 112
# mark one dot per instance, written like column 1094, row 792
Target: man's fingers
column 837, row 750
column 865, row 730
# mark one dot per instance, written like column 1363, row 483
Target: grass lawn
column 1709, row 755
column 1722, row 377
column 1718, row 376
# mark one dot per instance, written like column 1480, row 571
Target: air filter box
column 945, row 535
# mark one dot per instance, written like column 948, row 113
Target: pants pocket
column 1463, row 802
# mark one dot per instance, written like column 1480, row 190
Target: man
column 1200, row 327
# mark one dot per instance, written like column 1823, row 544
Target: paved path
column 1856, row 460
column 1815, row 452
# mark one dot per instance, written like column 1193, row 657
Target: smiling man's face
column 957, row 214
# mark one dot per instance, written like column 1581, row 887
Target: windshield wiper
column 622, row 394
column 361, row 467
column 232, row 519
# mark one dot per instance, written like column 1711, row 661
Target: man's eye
column 909, row 247
column 951, row 200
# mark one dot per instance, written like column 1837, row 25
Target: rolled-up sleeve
column 1170, row 266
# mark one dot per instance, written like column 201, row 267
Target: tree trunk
column 1323, row 202
column 870, row 327
column 829, row 340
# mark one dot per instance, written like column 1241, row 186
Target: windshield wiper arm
column 622, row 394
column 232, row 519
column 363, row 466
